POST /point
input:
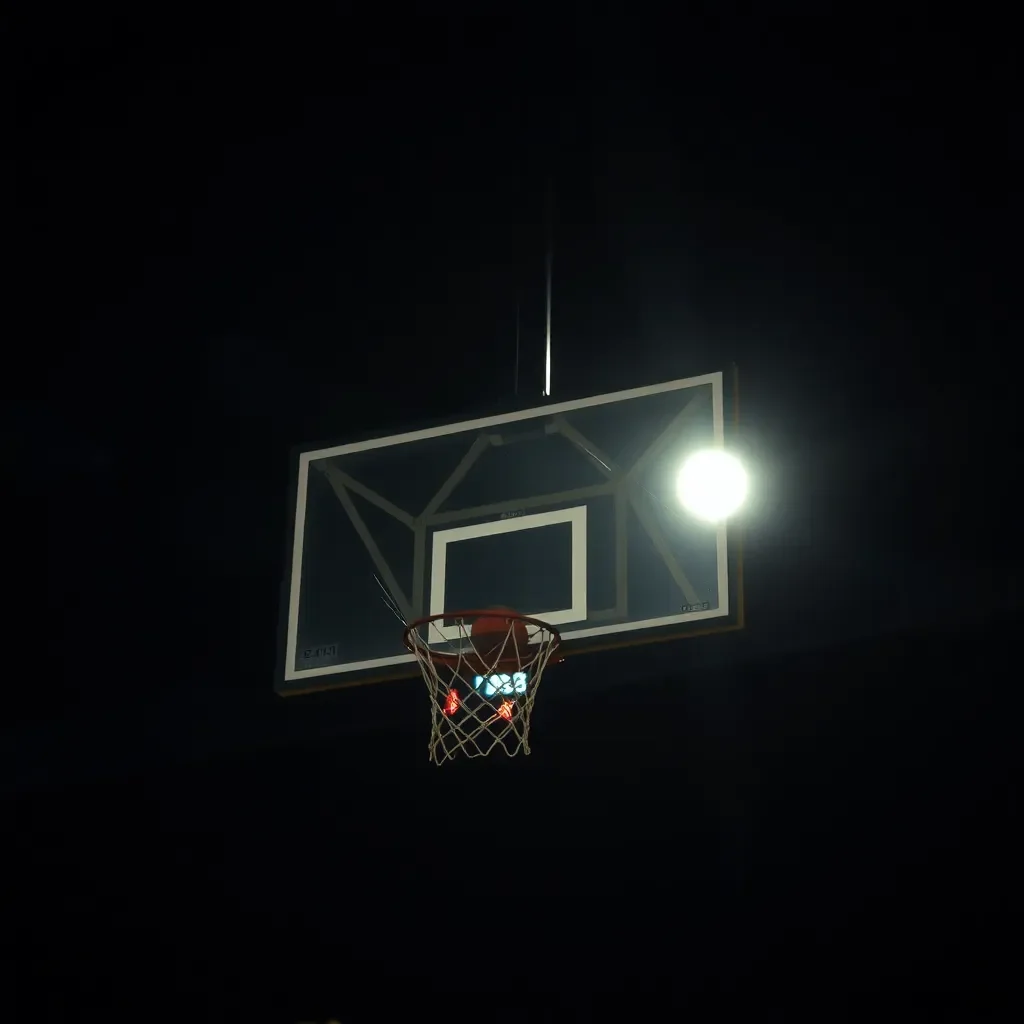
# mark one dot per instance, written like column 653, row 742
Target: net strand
column 389, row 600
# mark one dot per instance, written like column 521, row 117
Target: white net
column 482, row 681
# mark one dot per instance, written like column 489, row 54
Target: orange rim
column 414, row 644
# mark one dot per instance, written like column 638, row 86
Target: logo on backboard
column 700, row 606
column 312, row 657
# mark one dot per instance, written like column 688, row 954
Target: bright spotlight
column 712, row 485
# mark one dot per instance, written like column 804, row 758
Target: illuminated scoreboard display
column 504, row 683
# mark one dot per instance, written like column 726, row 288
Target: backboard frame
column 618, row 485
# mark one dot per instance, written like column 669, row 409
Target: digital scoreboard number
column 504, row 683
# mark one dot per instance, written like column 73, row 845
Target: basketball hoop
column 482, row 670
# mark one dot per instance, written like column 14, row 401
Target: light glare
column 712, row 485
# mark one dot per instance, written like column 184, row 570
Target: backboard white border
column 292, row 674
column 577, row 519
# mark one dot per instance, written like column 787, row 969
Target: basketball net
column 481, row 692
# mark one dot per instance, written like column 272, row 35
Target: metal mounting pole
column 549, row 260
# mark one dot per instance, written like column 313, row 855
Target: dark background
column 233, row 234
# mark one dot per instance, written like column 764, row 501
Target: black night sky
column 230, row 236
